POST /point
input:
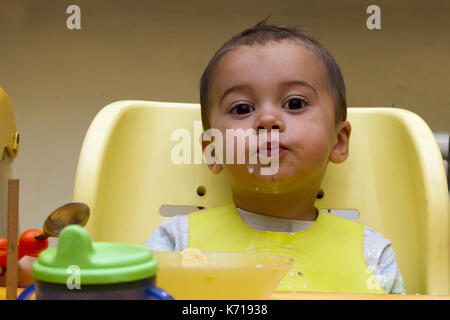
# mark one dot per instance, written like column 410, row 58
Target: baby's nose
column 273, row 127
column 268, row 120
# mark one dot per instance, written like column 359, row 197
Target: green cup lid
column 98, row 262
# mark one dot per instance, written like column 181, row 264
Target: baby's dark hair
column 261, row 34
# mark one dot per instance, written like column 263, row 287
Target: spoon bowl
column 70, row 213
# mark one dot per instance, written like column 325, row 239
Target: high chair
column 394, row 177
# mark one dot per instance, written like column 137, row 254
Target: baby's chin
column 271, row 188
column 250, row 179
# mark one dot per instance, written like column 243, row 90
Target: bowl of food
column 191, row 274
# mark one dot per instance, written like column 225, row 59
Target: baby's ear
column 341, row 147
column 212, row 162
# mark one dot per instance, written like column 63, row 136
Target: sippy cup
column 82, row 270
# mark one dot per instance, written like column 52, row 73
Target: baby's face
column 283, row 86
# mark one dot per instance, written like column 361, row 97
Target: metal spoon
column 70, row 213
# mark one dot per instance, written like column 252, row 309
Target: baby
column 280, row 81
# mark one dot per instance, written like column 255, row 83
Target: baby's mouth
column 270, row 150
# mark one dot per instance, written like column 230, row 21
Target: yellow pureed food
column 224, row 276
column 193, row 257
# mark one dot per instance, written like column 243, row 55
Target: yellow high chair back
column 394, row 177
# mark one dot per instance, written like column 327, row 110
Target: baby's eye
column 295, row 104
column 241, row 109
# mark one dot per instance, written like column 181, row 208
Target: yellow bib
column 328, row 256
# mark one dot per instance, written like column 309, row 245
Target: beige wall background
column 59, row 79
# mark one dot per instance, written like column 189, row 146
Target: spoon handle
column 43, row 236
